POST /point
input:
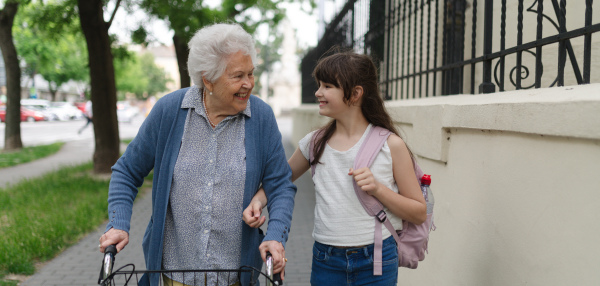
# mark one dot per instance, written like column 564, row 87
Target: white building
column 285, row 76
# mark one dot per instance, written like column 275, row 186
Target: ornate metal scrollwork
column 512, row 74
column 524, row 69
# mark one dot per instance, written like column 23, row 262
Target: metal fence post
column 487, row 86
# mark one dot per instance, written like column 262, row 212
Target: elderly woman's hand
column 251, row 214
column 114, row 236
column 277, row 252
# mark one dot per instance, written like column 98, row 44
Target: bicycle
column 123, row 276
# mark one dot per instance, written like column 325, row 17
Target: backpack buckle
column 381, row 216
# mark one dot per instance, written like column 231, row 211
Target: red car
column 26, row 114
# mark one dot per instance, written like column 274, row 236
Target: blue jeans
column 353, row 266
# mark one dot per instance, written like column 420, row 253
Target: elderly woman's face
column 232, row 90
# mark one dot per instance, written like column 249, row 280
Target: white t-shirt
column 340, row 219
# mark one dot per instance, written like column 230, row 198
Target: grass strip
column 9, row 283
column 41, row 217
column 28, row 154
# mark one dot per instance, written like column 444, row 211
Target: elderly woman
column 211, row 147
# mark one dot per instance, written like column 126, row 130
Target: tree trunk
column 181, row 51
column 102, row 79
column 12, row 131
column 52, row 91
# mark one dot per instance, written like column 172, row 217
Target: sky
column 306, row 25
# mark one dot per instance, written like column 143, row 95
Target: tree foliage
column 138, row 74
column 186, row 17
column 49, row 40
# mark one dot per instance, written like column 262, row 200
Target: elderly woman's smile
column 231, row 91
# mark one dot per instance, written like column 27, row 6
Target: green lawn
column 27, row 154
column 41, row 217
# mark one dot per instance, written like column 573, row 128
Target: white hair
column 212, row 45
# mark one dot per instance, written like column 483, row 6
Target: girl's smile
column 331, row 99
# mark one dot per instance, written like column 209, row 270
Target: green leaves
column 139, row 74
column 48, row 39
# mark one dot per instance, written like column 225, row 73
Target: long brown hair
column 347, row 70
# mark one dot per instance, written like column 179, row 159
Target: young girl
column 343, row 231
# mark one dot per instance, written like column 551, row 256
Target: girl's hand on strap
column 252, row 214
column 365, row 180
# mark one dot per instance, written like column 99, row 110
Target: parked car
column 40, row 105
column 48, row 114
column 26, row 114
column 65, row 110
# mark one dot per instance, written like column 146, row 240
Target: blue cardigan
column 156, row 146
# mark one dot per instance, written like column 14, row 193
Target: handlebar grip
column 112, row 249
column 277, row 279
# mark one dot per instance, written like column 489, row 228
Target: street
column 47, row 132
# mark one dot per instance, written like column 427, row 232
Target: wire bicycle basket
column 127, row 275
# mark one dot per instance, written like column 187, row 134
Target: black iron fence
column 428, row 48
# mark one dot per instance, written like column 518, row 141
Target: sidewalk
column 72, row 153
column 80, row 264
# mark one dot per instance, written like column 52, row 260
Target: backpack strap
column 364, row 158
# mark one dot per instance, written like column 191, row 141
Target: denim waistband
column 333, row 250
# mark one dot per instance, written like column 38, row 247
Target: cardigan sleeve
column 277, row 183
column 130, row 170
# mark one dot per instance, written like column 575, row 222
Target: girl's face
column 331, row 100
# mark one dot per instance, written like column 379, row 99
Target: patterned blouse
column 203, row 223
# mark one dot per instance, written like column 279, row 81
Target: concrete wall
column 516, row 179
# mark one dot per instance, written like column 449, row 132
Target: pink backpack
column 411, row 239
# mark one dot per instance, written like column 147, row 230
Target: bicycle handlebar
column 107, row 263
column 275, row 277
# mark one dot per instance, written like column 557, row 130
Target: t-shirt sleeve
column 304, row 144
